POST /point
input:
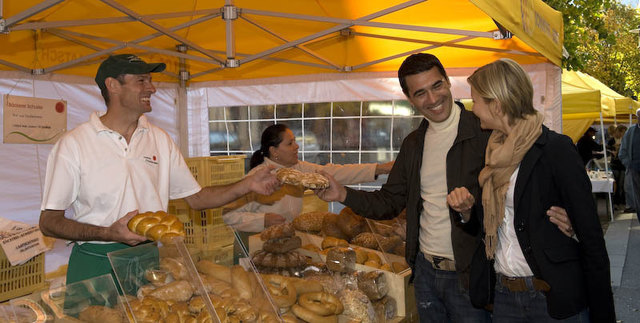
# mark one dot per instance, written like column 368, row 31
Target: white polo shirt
column 94, row 170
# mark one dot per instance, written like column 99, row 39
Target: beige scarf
column 504, row 154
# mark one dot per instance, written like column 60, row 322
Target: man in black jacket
column 435, row 177
column 443, row 156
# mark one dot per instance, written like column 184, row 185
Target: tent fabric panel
column 365, row 48
column 576, row 128
column 533, row 21
column 580, row 104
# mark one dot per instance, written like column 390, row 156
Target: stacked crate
column 206, row 233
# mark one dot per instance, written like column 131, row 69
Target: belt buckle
column 436, row 261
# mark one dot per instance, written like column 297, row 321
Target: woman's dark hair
column 271, row 137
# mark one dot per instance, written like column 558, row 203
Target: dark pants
column 635, row 181
column 528, row 306
column 441, row 298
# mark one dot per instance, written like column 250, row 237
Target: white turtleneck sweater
column 435, row 226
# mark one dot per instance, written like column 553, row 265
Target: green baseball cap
column 116, row 65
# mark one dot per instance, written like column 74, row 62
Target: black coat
column 552, row 173
column 465, row 159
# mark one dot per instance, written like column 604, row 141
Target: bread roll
column 175, row 267
column 330, row 242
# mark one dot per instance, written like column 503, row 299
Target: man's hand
column 263, row 181
column 120, row 232
column 272, row 219
column 559, row 217
column 334, row 193
column 461, row 201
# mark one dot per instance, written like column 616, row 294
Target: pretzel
column 281, row 289
column 311, row 317
column 321, row 303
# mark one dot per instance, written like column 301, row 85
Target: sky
column 632, row 3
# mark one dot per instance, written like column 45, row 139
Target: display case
column 358, row 260
column 92, row 300
column 168, row 282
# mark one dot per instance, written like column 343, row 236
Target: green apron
column 90, row 260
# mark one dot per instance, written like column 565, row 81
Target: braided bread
column 157, row 226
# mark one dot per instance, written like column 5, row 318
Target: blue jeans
column 441, row 298
column 529, row 306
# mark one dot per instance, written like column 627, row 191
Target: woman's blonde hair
column 506, row 82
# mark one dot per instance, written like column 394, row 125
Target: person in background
column 629, row 155
column 617, row 168
column 588, row 147
column 278, row 149
column 118, row 164
column 542, row 275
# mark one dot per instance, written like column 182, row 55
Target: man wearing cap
column 629, row 155
column 118, row 164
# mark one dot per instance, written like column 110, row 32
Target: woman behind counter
column 278, row 147
column 542, row 275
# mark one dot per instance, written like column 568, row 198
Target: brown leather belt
column 440, row 263
column 519, row 284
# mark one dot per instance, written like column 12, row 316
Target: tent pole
column 606, row 165
column 181, row 102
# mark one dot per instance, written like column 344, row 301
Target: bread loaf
column 373, row 284
column 178, row 291
column 351, row 224
column 330, row 227
column 99, row 314
column 310, row 221
column 156, row 226
column 214, row 270
column 340, row 259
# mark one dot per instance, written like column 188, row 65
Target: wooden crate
column 16, row 281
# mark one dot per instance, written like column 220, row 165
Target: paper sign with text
column 20, row 241
column 33, row 120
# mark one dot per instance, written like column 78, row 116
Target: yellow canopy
column 246, row 39
column 584, row 97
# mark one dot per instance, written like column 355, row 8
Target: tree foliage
column 598, row 40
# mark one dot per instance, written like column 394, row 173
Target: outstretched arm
column 261, row 182
column 53, row 223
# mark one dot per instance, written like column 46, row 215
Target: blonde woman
column 542, row 275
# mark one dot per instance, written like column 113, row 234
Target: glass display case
column 173, row 283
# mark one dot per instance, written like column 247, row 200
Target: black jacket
column 465, row 159
column 552, row 173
